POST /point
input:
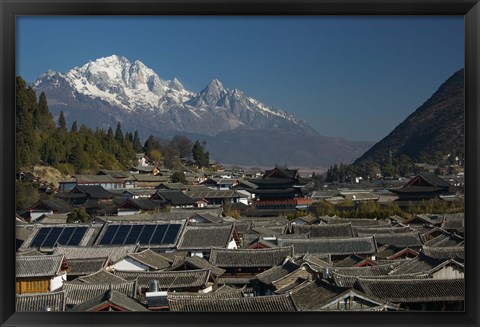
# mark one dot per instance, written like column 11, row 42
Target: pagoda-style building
column 424, row 186
column 280, row 188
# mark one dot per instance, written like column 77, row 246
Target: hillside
column 437, row 125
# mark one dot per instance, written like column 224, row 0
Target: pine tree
column 137, row 145
column 199, row 155
column 74, row 127
column 119, row 134
column 62, row 124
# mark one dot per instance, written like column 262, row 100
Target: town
column 244, row 240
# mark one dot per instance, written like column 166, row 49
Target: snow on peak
column 122, row 83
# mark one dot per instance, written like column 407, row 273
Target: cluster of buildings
column 153, row 245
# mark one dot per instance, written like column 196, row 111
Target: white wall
column 127, row 212
column 232, row 244
column 37, row 214
column 129, row 264
column 57, row 282
column 448, row 272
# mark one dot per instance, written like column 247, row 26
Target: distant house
column 40, row 273
column 46, row 207
column 280, row 188
column 106, row 181
column 174, row 198
column 110, row 300
column 423, row 186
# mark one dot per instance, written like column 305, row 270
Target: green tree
column 201, row 157
column 62, row 124
column 179, row 177
column 77, row 215
column 119, row 134
column 74, row 128
column 137, row 145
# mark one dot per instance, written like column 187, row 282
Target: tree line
column 80, row 149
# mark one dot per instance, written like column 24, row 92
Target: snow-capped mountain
column 113, row 89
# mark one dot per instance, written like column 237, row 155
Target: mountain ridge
column 112, row 89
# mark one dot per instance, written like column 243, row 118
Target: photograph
column 287, row 166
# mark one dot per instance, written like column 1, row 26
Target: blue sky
column 352, row 77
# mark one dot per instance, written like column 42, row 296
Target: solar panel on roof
column 40, row 237
column 109, row 234
column 77, row 236
column 159, row 234
column 146, row 234
column 134, row 234
column 65, row 236
column 171, row 234
column 52, row 237
column 121, row 234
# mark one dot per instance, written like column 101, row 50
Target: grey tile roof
column 349, row 281
column 86, row 266
column 321, row 261
column 38, row 265
column 445, row 240
column 56, row 205
column 350, row 261
column 40, row 301
column 454, row 222
column 332, row 246
column 276, row 303
column 401, row 240
column 212, row 194
column 277, row 272
column 445, row 253
column 114, row 252
column 150, row 259
column 312, row 295
column 226, row 258
column 207, row 216
column 197, row 263
column 175, row 197
column 169, row 280
column 77, row 293
column 101, row 277
column 110, row 297
column 230, row 294
column 415, row 290
column 332, row 230
column 56, row 218
column 367, row 230
column 202, row 237
column 93, row 191
column 355, row 221
column 420, row 264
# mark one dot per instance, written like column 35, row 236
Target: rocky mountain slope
column 437, row 125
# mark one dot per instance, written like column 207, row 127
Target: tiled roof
column 277, row 272
column 86, row 266
column 93, row 191
column 333, row 230
column 56, row 205
column 355, row 221
column 445, row 240
column 168, row 279
column 249, row 258
column 76, row 293
column 348, row 281
column 276, row 303
column 415, row 290
column 175, row 197
column 197, row 263
column 212, row 194
column 150, row 259
column 333, row 246
column 320, row 261
column 56, row 218
column 401, row 240
column 312, row 295
column 207, row 216
column 55, row 301
column 350, row 261
column 38, row 265
column 366, row 230
column 114, row 252
column 110, row 297
column 230, row 294
column 447, row 252
column 454, row 222
column 420, row 264
column 101, row 277
column 201, row 237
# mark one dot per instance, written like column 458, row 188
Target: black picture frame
column 470, row 9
